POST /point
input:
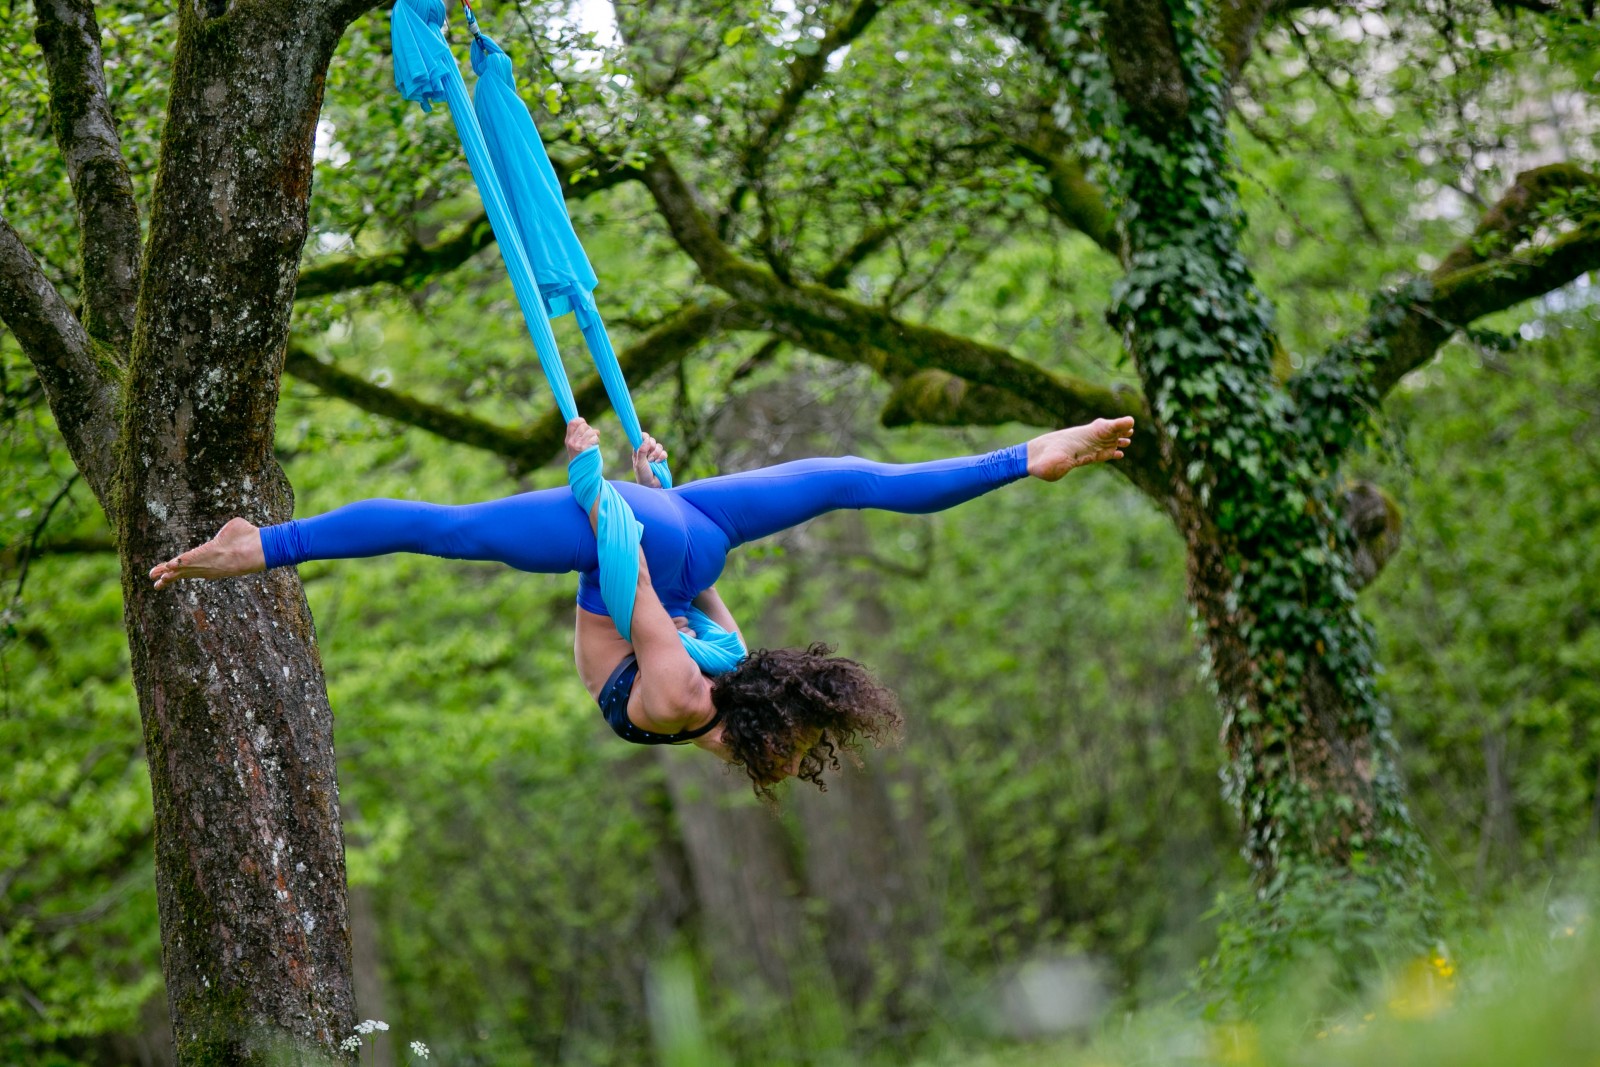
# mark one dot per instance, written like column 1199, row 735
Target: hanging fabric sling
column 551, row 276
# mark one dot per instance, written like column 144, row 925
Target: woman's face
column 807, row 742
column 712, row 742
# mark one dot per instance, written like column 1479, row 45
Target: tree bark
column 173, row 428
column 752, row 923
column 250, row 871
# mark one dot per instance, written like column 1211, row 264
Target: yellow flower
column 1423, row 988
column 1236, row 1043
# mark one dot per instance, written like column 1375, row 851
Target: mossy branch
column 535, row 446
column 81, row 377
column 86, row 133
column 837, row 327
column 1073, row 198
column 406, row 268
column 1494, row 269
column 412, row 266
column 1239, row 22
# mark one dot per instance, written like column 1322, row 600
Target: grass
column 1521, row 992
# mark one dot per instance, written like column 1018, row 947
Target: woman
column 781, row 712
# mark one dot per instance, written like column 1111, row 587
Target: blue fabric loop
column 550, row 275
column 431, row 74
column 530, row 182
column 617, row 536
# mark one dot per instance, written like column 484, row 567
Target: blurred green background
column 1034, row 876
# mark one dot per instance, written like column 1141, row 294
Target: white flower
column 381, row 1026
column 350, row 1044
column 369, row 1025
column 420, row 1049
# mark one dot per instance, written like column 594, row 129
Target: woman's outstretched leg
column 544, row 532
column 756, row 503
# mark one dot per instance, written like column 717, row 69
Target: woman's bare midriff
column 598, row 649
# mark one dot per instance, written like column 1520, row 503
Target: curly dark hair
column 779, row 699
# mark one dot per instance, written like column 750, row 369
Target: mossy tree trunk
column 165, row 388
column 1271, row 559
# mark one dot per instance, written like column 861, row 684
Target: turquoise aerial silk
column 551, row 276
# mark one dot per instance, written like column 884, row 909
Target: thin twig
column 38, row 530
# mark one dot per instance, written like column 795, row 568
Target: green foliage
column 1325, row 932
column 1489, row 614
column 78, row 937
column 522, row 876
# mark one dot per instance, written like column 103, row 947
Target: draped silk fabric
column 551, row 276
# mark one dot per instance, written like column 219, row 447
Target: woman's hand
column 580, row 436
column 647, row 452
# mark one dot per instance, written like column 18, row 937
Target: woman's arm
column 710, row 602
column 671, row 693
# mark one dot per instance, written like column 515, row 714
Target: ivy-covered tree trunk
column 165, row 387
column 1270, row 554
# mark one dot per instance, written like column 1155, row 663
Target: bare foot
column 1052, row 455
column 234, row 551
column 650, row 450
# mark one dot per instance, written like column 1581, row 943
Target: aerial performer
column 655, row 645
column 779, row 712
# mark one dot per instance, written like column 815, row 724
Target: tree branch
column 1139, row 43
column 391, row 404
column 414, row 265
column 81, row 379
column 1240, row 21
column 405, row 268
column 843, row 329
column 937, row 398
column 86, row 132
column 1073, row 199
column 1513, row 218
column 1472, row 283
column 527, row 449
column 804, row 73
column 11, row 555
column 870, row 241
column 1145, row 65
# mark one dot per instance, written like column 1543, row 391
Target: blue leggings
column 688, row 530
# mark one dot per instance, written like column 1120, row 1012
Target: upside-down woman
column 781, row 712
